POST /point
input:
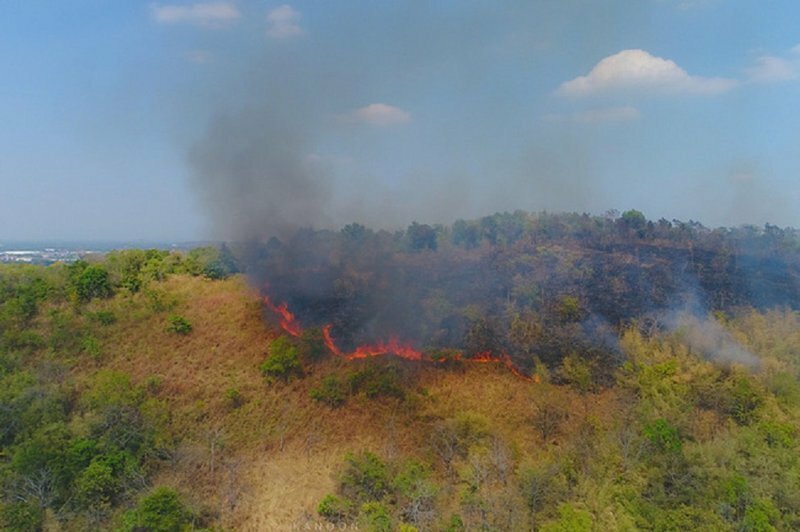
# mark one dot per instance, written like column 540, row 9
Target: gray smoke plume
column 275, row 154
column 711, row 340
column 256, row 176
column 705, row 335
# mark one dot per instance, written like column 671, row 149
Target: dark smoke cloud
column 268, row 160
column 256, row 176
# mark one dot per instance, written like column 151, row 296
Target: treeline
column 79, row 452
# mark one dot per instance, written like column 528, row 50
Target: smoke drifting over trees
column 383, row 116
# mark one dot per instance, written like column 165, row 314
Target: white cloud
column 775, row 68
column 772, row 69
column 379, row 114
column 638, row 70
column 208, row 14
column 284, row 22
column 603, row 115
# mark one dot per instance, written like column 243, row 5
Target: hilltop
column 156, row 390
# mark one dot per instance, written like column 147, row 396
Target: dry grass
column 266, row 464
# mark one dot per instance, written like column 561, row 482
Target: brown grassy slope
column 266, row 464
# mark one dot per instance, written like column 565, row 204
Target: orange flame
column 392, row 347
column 326, row 333
column 287, row 319
column 289, row 323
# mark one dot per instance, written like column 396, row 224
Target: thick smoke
column 286, row 148
column 256, row 176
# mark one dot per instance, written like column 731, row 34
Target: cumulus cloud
column 774, row 69
column 639, row 70
column 284, row 22
column 208, row 14
column 602, row 115
column 379, row 114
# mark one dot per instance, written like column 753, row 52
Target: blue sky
column 228, row 119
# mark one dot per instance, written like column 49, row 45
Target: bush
column 160, row 511
column 282, row 362
column 376, row 381
column 416, row 493
column 91, row 346
column 452, row 438
column 179, row 325
column 103, row 317
column 335, row 509
column 570, row 519
column 376, row 517
column 312, row 346
column 330, row 392
column 745, row 399
column 234, row 397
column 90, row 281
column 366, row 477
column 542, row 487
column 22, row 517
column 664, row 436
column 212, row 262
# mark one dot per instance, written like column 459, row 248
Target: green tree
column 160, row 511
column 91, row 281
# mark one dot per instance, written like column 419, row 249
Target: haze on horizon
column 235, row 119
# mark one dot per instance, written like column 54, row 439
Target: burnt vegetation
column 537, row 287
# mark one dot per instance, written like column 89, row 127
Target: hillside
column 155, row 391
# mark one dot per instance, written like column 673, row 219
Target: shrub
column 330, row 392
column 282, row 362
column 366, row 477
column 103, row 317
column 91, row 346
column 161, row 510
column 455, row 524
column 570, row 519
column 335, row 509
column 212, row 262
column 91, row 281
column 376, row 381
column 745, row 400
column 312, row 346
column 542, row 487
column 416, row 493
column 22, row 517
column 234, row 397
column 179, row 325
column 548, row 419
column 452, row 438
column 97, row 484
column 376, row 517
column 664, row 436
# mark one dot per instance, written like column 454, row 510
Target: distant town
column 41, row 256
column 50, row 253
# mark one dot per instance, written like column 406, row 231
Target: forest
column 569, row 372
